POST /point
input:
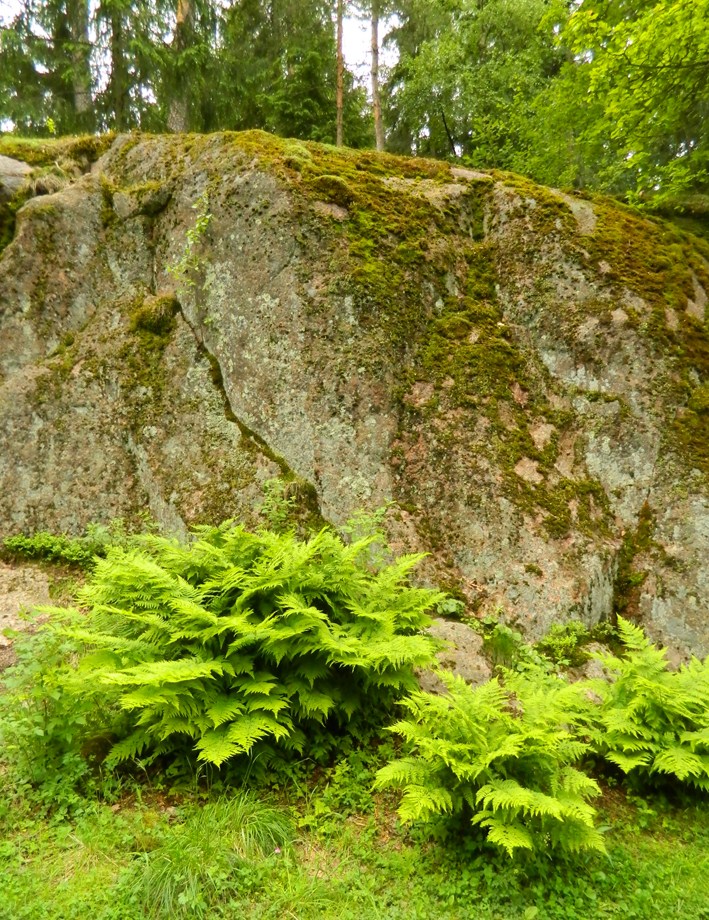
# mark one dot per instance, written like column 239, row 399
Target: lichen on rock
column 521, row 370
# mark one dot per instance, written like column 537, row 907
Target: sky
column 356, row 40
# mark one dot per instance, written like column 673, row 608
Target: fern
column 243, row 640
column 652, row 720
column 504, row 755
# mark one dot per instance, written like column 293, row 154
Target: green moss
column 629, row 579
column 578, row 504
column 140, row 358
column 547, row 211
column 151, row 197
column 154, row 313
column 662, row 264
column 82, row 150
column 689, row 211
column 8, row 213
column 332, row 188
column 108, row 190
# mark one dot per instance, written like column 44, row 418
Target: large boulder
column 524, row 372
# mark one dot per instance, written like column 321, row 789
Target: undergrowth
column 266, row 659
column 78, row 552
column 241, row 644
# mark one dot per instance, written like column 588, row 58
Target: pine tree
column 45, row 75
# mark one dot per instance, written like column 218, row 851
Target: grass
column 306, row 843
column 333, row 853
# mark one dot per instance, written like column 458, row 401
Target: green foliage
column 242, row 641
column 564, row 642
column 505, row 647
column 190, row 262
column 509, row 755
column 279, row 505
column 468, row 74
column 205, row 859
column 652, row 720
column 347, row 863
column 50, row 548
column 505, row 757
column 654, row 96
column 80, row 552
column 44, row 731
column 120, row 64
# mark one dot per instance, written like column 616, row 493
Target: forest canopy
column 604, row 94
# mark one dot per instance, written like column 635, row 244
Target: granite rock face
column 525, row 373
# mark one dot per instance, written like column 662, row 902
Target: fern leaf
column 510, row 835
column 223, row 709
column 129, row 748
column 681, row 762
column 164, row 672
column 424, row 801
column 216, row 747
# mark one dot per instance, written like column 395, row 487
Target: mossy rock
column 155, row 313
column 333, row 189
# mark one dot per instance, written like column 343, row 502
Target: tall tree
column 466, row 70
column 79, row 17
column 178, row 115
column 376, row 94
column 45, row 73
column 179, row 64
column 276, row 68
column 340, row 137
column 648, row 70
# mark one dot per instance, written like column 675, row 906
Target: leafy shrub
column 79, row 552
column 564, row 642
column 653, row 720
column 50, row 548
column 243, row 639
column 43, row 729
column 504, row 756
column 506, row 649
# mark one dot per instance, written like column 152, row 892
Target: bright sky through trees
column 607, row 94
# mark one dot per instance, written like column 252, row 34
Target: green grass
column 334, row 853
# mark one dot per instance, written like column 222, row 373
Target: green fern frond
column 223, row 709
column 164, row 672
column 510, row 835
column 681, row 762
column 129, row 748
column 424, row 801
column 216, row 747
column 632, row 636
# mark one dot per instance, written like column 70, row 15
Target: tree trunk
column 376, row 97
column 340, row 136
column 178, row 115
column 81, row 64
column 119, row 75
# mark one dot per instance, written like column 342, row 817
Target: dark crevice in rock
column 303, row 491
column 628, row 578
